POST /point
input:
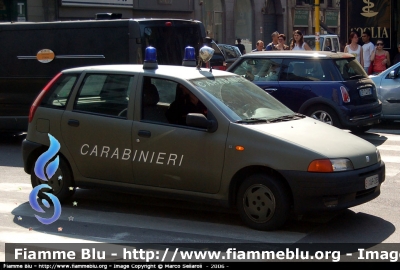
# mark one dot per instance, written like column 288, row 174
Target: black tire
column 324, row 114
column 263, row 202
column 357, row 130
column 60, row 188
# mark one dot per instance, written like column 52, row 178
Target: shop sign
column 331, row 18
column 301, row 17
column 372, row 15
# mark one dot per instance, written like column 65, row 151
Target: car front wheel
column 263, row 202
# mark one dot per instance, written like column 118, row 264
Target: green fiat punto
column 196, row 134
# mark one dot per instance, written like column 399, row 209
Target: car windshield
column 241, row 99
column 350, row 69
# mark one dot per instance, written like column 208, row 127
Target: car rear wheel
column 61, row 182
column 324, row 114
column 263, row 202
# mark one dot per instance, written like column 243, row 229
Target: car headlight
column 330, row 165
column 378, row 155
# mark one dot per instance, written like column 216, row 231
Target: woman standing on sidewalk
column 281, row 43
column 380, row 57
column 354, row 48
column 298, row 42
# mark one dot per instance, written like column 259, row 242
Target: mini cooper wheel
column 61, row 182
column 263, row 202
column 324, row 114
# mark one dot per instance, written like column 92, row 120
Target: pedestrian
column 367, row 49
column 380, row 58
column 273, row 43
column 241, row 47
column 281, row 43
column 259, row 46
column 396, row 59
column 298, row 42
column 353, row 47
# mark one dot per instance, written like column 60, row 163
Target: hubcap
column 322, row 116
column 259, row 203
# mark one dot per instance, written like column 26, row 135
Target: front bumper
column 314, row 192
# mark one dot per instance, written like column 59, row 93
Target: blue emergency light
column 150, row 58
column 189, row 60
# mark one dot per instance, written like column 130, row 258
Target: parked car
column 388, row 87
column 112, row 126
column 328, row 86
column 231, row 53
column 326, row 42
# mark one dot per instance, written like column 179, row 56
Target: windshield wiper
column 251, row 120
column 287, row 118
column 273, row 120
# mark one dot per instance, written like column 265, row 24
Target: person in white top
column 353, row 47
column 367, row 49
column 298, row 42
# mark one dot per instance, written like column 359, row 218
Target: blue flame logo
column 42, row 164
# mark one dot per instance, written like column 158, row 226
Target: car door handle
column 73, row 123
column 270, row 89
column 144, row 133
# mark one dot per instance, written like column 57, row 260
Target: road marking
column 153, row 223
column 388, row 147
column 16, row 187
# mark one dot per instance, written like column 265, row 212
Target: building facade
column 380, row 17
column 224, row 20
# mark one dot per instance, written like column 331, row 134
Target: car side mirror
column 200, row 121
column 392, row 74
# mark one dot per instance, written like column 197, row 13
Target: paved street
column 104, row 217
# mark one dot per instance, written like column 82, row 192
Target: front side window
column 106, row 94
column 260, row 69
column 166, row 101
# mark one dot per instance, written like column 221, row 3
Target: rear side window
column 58, row 95
column 350, row 69
column 106, row 94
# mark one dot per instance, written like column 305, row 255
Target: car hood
column 323, row 140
